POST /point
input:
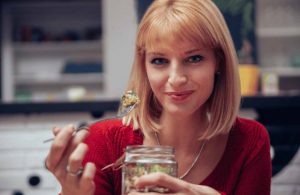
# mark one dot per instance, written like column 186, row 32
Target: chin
column 180, row 112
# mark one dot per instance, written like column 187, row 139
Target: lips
column 180, row 95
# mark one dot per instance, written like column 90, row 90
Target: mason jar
column 142, row 160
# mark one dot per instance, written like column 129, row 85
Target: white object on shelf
column 76, row 93
column 270, row 84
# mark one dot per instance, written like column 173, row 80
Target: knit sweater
column 244, row 168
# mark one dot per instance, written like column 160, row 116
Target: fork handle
column 86, row 127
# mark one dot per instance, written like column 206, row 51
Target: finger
column 162, row 180
column 55, row 130
column 79, row 137
column 74, row 141
column 59, row 146
column 73, row 169
column 76, row 158
column 87, row 179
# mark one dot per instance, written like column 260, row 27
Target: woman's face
column 181, row 76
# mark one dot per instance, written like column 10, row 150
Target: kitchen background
column 68, row 61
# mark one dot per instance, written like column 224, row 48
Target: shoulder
column 248, row 128
column 108, row 128
column 112, row 130
column 109, row 138
column 249, row 135
column 114, row 134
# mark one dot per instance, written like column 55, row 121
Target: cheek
column 155, row 84
column 204, row 79
column 155, row 78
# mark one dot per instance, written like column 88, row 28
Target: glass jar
column 142, row 160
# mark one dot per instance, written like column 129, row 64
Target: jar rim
column 139, row 148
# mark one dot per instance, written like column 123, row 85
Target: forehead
column 171, row 45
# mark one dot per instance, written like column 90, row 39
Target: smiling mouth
column 182, row 95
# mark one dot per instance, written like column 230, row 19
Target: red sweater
column 245, row 167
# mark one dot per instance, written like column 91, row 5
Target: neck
column 184, row 174
column 182, row 132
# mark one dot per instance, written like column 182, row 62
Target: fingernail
column 71, row 126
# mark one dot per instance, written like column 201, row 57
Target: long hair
column 201, row 22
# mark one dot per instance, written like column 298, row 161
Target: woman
column 185, row 73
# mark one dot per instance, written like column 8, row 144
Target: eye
column 194, row 59
column 159, row 61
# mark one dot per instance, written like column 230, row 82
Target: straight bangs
column 173, row 25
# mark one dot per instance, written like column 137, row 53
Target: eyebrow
column 156, row 53
column 161, row 54
column 192, row 51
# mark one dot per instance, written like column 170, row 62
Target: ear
column 219, row 59
column 218, row 68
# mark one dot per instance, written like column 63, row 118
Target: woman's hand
column 65, row 162
column 175, row 185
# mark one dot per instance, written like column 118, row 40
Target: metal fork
column 121, row 114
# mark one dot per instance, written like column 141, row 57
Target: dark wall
column 141, row 7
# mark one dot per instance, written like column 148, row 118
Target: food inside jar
column 132, row 171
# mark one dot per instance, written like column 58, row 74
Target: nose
column 177, row 75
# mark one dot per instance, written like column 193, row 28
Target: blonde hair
column 199, row 21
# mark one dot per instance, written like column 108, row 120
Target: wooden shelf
column 58, row 47
column 282, row 71
column 26, row 108
column 278, row 32
column 271, row 102
column 63, row 79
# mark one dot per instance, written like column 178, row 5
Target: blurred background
column 68, row 61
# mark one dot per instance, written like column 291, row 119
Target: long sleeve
column 98, row 153
column 106, row 142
